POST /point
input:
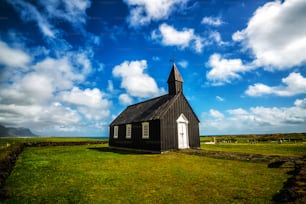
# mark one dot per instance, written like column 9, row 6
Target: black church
column 159, row 124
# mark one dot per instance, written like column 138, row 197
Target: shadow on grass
column 119, row 151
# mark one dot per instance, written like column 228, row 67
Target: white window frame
column 145, row 130
column 128, row 131
column 116, row 130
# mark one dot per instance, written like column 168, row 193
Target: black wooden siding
column 169, row 132
column 136, row 141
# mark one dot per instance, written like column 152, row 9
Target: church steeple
column 175, row 81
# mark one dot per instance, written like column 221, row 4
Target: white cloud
column 13, row 57
column 136, row 82
column 216, row 114
column 300, row 103
column 183, row 63
column 225, row 70
column 216, row 36
column 29, row 12
column 90, row 102
column 38, row 116
column 44, row 79
column 88, row 97
column 142, row 12
column 256, row 120
column 47, row 98
column 64, row 76
column 72, row 11
column 259, row 89
column 294, row 84
column 212, row 21
column 38, row 87
column 32, row 88
column 125, row 99
column 169, row 36
column 238, row 36
column 276, row 34
column 219, row 98
column 110, row 86
column 238, row 111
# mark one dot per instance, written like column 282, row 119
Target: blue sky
column 68, row 68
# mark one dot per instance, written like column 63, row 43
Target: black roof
column 152, row 109
column 145, row 111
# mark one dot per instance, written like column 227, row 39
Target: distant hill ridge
column 15, row 132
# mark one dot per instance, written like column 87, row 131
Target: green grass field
column 93, row 174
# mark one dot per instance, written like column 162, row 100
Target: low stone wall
column 240, row 156
column 49, row 144
column 294, row 189
column 7, row 163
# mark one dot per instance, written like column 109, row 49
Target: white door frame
column 182, row 130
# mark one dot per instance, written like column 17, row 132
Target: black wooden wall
column 169, row 132
column 136, row 141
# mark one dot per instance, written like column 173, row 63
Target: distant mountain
column 15, row 132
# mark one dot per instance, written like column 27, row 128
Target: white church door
column 182, row 127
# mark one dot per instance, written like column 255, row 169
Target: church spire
column 175, row 81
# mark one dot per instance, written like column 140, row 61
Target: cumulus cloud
column 292, row 85
column 32, row 88
column 88, row 97
column 46, row 96
column 212, row 21
column 38, row 116
column 276, row 34
column 142, row 12
column 13, row 57
column 224, row 70
column 216, row 114
column 65, row 74
column 256, row 120
column 125, row 99
column 169, row 36
column 300, row 103
column 134, row 79
column 90, row 102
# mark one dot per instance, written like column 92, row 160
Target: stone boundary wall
column 240, row 156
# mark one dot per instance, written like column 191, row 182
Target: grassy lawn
column 93, row 174
column 289, row 149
